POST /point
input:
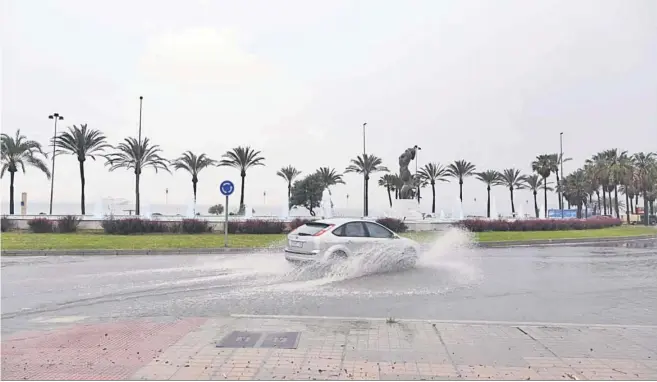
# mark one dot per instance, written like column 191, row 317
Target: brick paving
column 185, row 349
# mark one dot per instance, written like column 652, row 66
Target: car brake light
column 324, row 230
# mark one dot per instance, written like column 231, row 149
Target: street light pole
column 364, row 175
column 141, row 100
column 364, row 124
column 56, row 117
column 562, row 174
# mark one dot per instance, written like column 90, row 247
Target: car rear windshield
column 309, row 229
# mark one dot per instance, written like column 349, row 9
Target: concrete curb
column 643, row 241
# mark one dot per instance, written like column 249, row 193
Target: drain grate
column 246, row 339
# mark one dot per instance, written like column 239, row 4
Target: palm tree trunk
column 513, row 207
column 242, row 192
column 389, row 196
column 536, row 204
column 433, row 200
column 461, row 190
column 579, row 210
column 627, row 209
column 545, row 197
column 616, row 197
column 597, row 193
column 636, row 199
column 289, row 190
column 11, row 192
column 365, row 199
column 646, row 213
column 604, row 201
column 82, row 182
column 488, row 202
column 396, row 194
column 631, row 200
column 137, row 194
column 194, row 188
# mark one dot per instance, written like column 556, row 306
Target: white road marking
column 59, row 320
column 461, row 322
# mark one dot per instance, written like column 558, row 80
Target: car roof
column 341, row 221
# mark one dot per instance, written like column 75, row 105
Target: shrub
column 41, row 225
column 256, row 226
column 480, row 225
column 395, row 225
column 7, row 224
column 132, row 225
column 68, row 223
column 298, row 222
column 195, row 226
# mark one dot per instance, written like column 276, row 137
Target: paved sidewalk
column 185, row 349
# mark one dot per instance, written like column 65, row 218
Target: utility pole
column 56, row 117
column 562, row 174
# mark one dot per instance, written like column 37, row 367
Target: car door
column 355, row 236
column 378, row 234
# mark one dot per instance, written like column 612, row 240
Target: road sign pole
column 226, row 224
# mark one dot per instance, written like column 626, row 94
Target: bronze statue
column 405, row 174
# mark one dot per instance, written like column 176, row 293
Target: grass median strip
column 98, row 240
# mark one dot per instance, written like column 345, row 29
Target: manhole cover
column 240, row 340
column 282, row 340
column 244, row 339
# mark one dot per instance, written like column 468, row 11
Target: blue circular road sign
column 227, row 187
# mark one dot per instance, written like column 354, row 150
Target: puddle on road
column 443, row 265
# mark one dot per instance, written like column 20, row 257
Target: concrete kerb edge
column 616, row 241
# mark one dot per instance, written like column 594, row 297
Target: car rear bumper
column 300, row 257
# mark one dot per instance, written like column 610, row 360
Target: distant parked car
column 338, row 239
column 652, row 219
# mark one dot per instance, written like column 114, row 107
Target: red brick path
column 90, row 352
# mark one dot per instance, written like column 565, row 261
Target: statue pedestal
column 406, row 208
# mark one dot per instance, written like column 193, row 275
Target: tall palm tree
column 461, row 169
column 398, row 184
column 193, row 164
column 242, row 158
column 366, row 164
column 593, row 175
column 618, row 164
column 288, row 173
column 534, row 183
column 432, row 173
column 544, row 165
column 18, row 151
column 82, row 143
column 513, row 180
column 136, row 156
column 598, row 168
column 388, row 181
column 645, row 165
column 490, row 178
column 329, row 177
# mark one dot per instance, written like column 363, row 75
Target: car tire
column 338, row 255
column 409, row 257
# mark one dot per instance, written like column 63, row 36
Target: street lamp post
column 562, row 174
column 364, row 175
column 56, row 117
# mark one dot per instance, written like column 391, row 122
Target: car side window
column 339, row 231
column 355, row 229
column 377, row 231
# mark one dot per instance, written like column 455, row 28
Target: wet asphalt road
column 452, row 281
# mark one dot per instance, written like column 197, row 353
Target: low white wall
column 217, row 222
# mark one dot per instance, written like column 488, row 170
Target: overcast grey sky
column 493, row 82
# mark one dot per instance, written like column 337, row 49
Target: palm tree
column 134, row 155
column 512, row 179
column 242, row 158
column 288, row 173
column 618, row 164
column 598, row 170
column 558, row 164
column 460, row 169
column 432, row 173
column 544, row 165
column 82, row 143
column 534, row 183
column 18, row 151
column 490, row 178
column 329, row 177
column 398, row 184
column 593, row 175
column 574, row 187
column 193, row 164
column 645, row 165
column 388, row 181
column 366, row 165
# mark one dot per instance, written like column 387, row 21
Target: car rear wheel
column 338, row 255
column 409, row 258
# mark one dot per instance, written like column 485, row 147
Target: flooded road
column 451, row 281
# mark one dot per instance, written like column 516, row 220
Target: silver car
column 332, row 239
